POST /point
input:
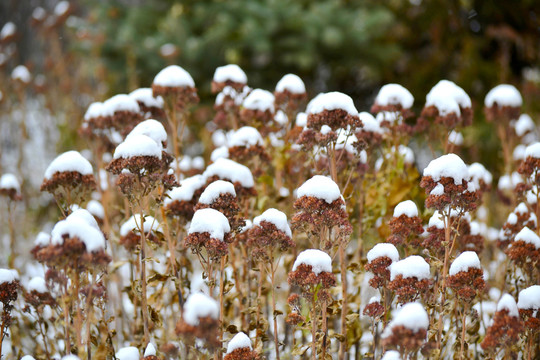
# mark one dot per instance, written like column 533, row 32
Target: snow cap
column 276, row 217
column 412, row 266
column 230, row 170
column 332, row 101
column 69, row 161
column 465, row 261
column 291, row 83
column 503, row 95
column 137, row 145
column 381, row 250
column 319, row 261
column 215, row 189
column 394, row 94
column 449, row 165
column 507, row 302
column 259, row 99
column 231, row 72
column 407, row 208
column 174, row 76
column 210, row 221
column 529, row 298
column 320, row 187
column 199, row 305
column 239, row 341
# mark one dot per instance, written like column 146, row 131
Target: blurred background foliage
column 352, row 46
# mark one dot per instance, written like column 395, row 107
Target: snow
column 449, row 165
column 281, row 118
column 210, row 221
column 394, row 94
column 391, row 355
column 167, row 49
column 521, row 209
column 231, row 72
column 75, row 357
column 448, row 89
column 412, row 266
column 61, row 8
column 84, row 215
column 507, row 302
column 465, row 261
column 28, row 357
column 37, row 284
column 533, row 151
column 319, row 261
column 389, row 116
column 524, row 125
column 444, row 104
column 437, row 190
column 8, row 29
column 150, row 350
column 151, row 128
column 259, row 99
column 199, row 305
column 187, row 188
column 412, row 316
column 245, row 136
column 276, row 217
column 174, row 76
column 120, row 102
column 39, row 13
column 477, row 171
column 239, row 341
column 78, row 227
column 21, row 73
column 68, row 161
column 145, row 96
column 230, row 170
column 519, row 152
column 9, row 181
column 529, row 298
column 291, row 83
column 407, row 208
column 95, row 110
column 301, row 119
column 137, row 145
column 332, row 101
column 455, row 138
column 369, row 123
column 509, row 182
column 237, row 96
column 320, row 187
column 221, row 152
column 528, row 236
column 503, row 95
column 96, row 209
column 128, row 353
column 381, row 250
column 215, row 189
column 7, row 276
column 42, row 239
column 132, row 225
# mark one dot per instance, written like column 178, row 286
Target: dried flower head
column 210, row 230
column 313, row 269
column 405, row 225
column 239, row 348
column 409, row 278
column 176, row 87
column 290, row 94
column 380, row 257
column 505, row 328
column 407, row 331
column 130, row 236
column 466, row 276
column 69, row 178
column 200, row 320
column 10, row 187
column 529, row 307
column 502, row 104
column 270, row 231
column 181, row 201
column 220, row 195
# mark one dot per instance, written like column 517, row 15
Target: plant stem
column 172, row 259
column 313, row 329
column 221, row 305
column 259, row 297
column 343, row 262
column 462, row 342
column 12, row 242
column 276, row 338
column 447, row 251
column 144, row 305
column 324, row 330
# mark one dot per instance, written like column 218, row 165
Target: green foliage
column 328, row 43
